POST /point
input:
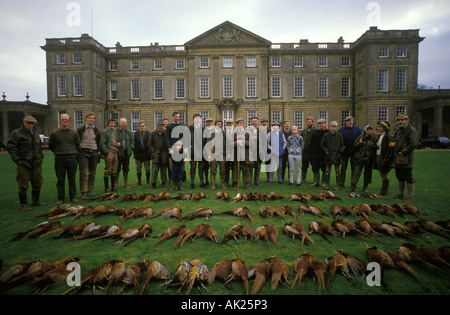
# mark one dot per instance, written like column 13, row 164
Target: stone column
column 438, row 121
column 5, row 127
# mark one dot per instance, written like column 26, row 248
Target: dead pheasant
column 241, row 212
column 118, row 273
column 268, row 231
column 94, row 277
column 314, row 227
column 261, row 270
column 340, row 210
column 301, row 267
column 200, row 212
column 173, row 212
column 67, row 231
column 198, row 231
column 129, row 235
column 154, row 270
column 133, row 277
column 168, row 233
column 279, row 269
column 296, row 230
column 40, row 229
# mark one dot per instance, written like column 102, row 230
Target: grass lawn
column 431, row 174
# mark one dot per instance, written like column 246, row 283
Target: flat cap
column 264, row 119
column 229, row 121
column 321, row 120
column 30, row 119
column 238, row 120
column 209, row 119
column 402, row 116
column 385, row 125
column 349, row 118
column 275, row 123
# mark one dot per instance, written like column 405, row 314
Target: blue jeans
column 277, row 166
column 65, row 166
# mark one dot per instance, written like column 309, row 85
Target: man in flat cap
column 196, row 150
column 228, row 134
column 157, row 148
column 242, row 157
column 24, row 146
column 406, row 141
column 253, row 129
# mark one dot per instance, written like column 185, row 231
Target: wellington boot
column 24, row 201
column 316, row 180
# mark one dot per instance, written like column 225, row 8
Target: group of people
column 164, row 152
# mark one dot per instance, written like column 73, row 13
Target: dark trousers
column 162, row 169
column 345, row 159
column 65, row 166
column 284, row 163
column 367, row 166
column 404, row 174
column 306, row 160
column 318, row 163
column 177, row 172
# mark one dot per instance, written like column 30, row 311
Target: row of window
column 227, row 86
column 227, row 62
column 78, row 117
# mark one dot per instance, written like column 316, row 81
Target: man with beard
column 284, row 160
column 318, row 162
column 406, row 141
column 365, row 147
column 307, row 151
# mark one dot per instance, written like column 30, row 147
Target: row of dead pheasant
column 147, row 212
column 195, row 273
column 251, row 196
column 360, row 229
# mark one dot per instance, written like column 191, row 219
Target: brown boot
column 409, row 199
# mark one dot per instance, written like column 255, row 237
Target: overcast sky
column 24, row 25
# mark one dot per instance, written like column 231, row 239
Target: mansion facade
column 229, row 72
